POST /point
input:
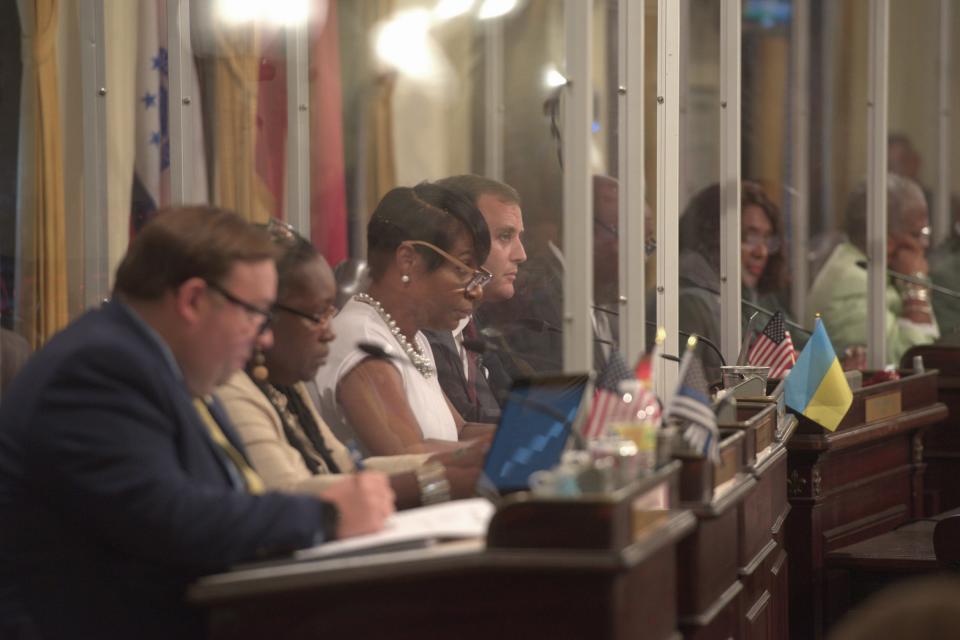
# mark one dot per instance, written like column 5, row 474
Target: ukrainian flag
column 816, row 387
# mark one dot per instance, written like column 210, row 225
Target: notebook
column 412, row 528
column 538, row 418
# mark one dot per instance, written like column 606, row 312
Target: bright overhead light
column 447, row 9
column 279, row 12
column 496, row 8
column 553, row 78
column 402, row 43
column 238, row 11
column 286, row 12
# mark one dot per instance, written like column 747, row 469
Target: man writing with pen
column 121, row 479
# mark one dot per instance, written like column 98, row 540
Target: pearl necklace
column 417, row 357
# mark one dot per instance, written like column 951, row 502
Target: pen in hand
column 355, row 455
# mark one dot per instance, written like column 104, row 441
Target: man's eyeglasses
column 315, row 319
column 478, row 277
column 752, row 240
column 261, row 316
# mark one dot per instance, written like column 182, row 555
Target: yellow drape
column 236, row 69
column 381, row 168
column 43, row 307
column 380, row 157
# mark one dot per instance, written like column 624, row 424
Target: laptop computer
column 537, row 420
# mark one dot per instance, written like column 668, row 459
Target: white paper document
column 457, row 519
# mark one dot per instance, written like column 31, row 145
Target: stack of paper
column 457, row 519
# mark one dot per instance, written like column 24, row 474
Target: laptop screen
column 535, row 424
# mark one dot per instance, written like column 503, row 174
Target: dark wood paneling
column 862, row 480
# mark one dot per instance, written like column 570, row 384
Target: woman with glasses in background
column 763, row 264
column 288, row 443
column 425, row 247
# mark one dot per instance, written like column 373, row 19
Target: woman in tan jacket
column 287, row 441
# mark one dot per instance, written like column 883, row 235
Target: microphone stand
column 950, row 293
column 700, row 338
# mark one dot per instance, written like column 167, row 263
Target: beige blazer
column 278, row 463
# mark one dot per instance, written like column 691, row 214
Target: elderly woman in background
column 287, row 441
column 425, row 247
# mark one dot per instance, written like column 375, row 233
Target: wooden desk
column 941, row 442
column 864, row 479
column 462, row 590
column 861, row 569
column 762, row 554
column 709, row 595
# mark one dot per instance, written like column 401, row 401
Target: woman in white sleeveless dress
column 425, row 245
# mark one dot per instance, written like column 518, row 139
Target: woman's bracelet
column 433, row 483
column 915, row 293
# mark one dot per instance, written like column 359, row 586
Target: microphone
column 700, row 338
column 542, row 326
column 538, row 326
column 477, row 345
column 481, row 347
column 376, row 351
column 950, row 293
column 770, row 314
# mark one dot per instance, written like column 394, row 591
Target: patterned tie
column 253, row 482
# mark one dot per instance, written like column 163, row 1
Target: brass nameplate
column 765, row 433
column 727, row 467
column 650, row 507
column 883, row 406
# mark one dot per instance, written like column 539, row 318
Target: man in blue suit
column 118, row 484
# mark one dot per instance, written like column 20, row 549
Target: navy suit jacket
column 112, row 495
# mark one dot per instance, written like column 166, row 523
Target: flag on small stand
column 817, row 387
column 692, row 407
column 649, row 364
column 606, row 399
column 646, row 372
column 773, row 348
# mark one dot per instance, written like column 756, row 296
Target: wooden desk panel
column 859, row 570
column 862, row 480
column 941, row 442
column 462, row 590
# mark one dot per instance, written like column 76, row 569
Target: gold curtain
column 43, row 298
column 236, row 69
column 850, row 74
column 380, row 166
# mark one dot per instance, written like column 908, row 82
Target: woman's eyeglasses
column 316, row 319
column 280, row 230
column 478, row 277
column 753, row 240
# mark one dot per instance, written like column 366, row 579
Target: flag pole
column 685, row 361
column 655, row 354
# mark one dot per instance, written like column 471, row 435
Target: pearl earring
column 405, row 279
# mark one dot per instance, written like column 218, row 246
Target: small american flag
column 606, row 400
column 691, row 407
column 773, row 348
